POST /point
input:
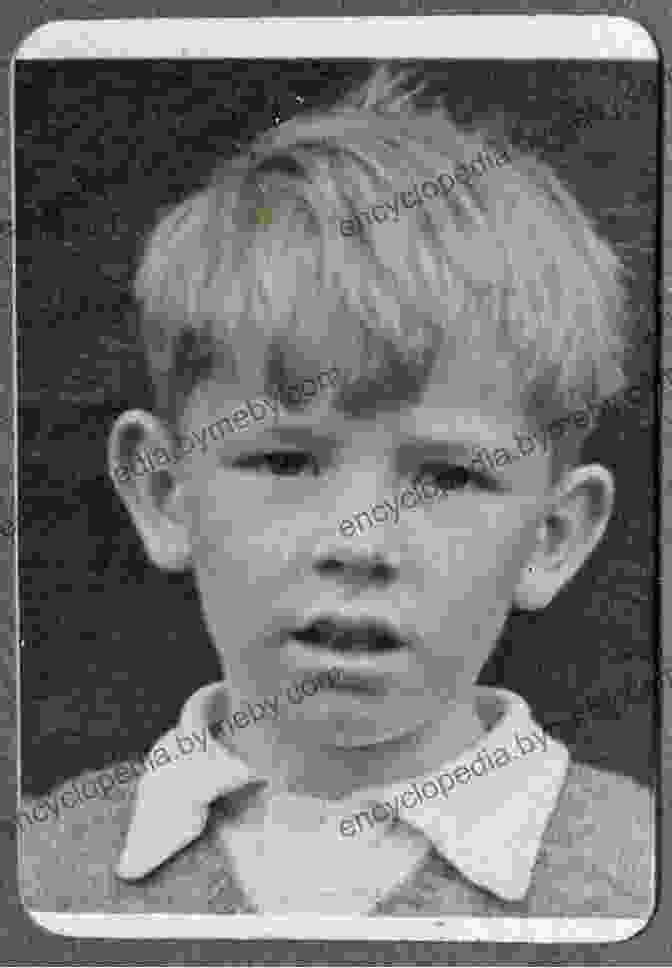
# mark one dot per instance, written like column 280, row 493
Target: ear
column 139, row 459
column 575, row 520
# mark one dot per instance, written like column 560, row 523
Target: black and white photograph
column 338, row 420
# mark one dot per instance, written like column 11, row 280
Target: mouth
column 350, row 637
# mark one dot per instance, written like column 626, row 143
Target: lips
column 342, row 635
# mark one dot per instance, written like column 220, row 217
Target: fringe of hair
column 508, row 261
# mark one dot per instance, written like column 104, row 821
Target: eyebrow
column 431, row 446
column 440, row 449
column 299, row 434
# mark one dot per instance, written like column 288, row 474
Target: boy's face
column 408, row 608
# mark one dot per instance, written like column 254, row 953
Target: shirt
column 595, row 856
column 488, row 822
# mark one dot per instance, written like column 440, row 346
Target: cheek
column 231, row 544
column 483, row 552
column 512, row 546
column 213, row 533
column 474, row 586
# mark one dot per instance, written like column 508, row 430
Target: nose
column 357, row 566
column 373, row 555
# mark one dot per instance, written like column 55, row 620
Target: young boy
column 483, row 311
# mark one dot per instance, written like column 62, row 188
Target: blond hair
column 509, row 257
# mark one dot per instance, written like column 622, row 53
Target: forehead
column 475, row 380
column 461, row 389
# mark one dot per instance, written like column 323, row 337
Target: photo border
column 649, row 946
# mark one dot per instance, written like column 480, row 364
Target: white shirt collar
column 489, row 826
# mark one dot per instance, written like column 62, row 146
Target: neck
column 333, row 772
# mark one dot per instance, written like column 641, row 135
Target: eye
column 455, row 477
column 282, row 463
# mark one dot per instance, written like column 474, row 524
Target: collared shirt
column 297, row 853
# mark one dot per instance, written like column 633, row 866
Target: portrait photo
column 339, row 384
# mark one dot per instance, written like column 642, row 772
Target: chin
column 336, row 728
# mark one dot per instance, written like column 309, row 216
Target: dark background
column 111, row 646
